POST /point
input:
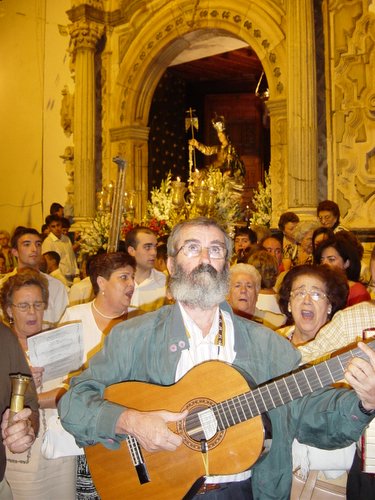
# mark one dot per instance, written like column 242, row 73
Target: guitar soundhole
column 190, row 429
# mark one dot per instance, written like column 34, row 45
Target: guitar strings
column 227, row 412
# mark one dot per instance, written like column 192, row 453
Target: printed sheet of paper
column 59, row 351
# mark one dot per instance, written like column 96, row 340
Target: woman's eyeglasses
column 25, row 306
column 316, row 295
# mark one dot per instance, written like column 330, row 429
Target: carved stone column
column 84, row 37
column 277, row 109
column 302, row 119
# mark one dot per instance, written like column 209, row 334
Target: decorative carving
column 225, row 15
column 96, row 4
column 67, row 111
column 353, row 112
column 68, row 158
column 84, row 35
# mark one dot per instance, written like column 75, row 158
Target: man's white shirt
column 150, row 294
column 63, row 246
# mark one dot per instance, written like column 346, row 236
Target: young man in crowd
column 244, row 239
column 52, row 261
column 58, row 242
column 273, row 246
column 162, row 346
column 150, row 284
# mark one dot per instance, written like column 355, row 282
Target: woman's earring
column 289, row 307
column 329, row 310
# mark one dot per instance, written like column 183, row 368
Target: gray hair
column 199, row 221
column 247, row 269
column 303, row 227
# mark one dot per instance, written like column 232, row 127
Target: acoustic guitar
column 223, row 432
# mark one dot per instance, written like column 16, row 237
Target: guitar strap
column 220, row 336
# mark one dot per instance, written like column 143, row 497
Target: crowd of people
column 153, row 312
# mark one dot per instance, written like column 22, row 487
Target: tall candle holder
column 211, row 201
column 108, row 196
column 178, row 193
column 100, row 201
column 130, row 211
column 200, row 200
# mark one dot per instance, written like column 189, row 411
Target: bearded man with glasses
column 162, row 346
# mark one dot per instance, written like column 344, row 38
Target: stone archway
column 142, row 69
column 146, row 38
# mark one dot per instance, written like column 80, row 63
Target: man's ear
column 170, row 265
column 346, row 264
column 131, row 251
column 15, row 252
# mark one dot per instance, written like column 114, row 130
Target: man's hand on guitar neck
column 360, row 374
column 150, row 428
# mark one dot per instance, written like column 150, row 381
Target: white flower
column 96, row 235
column 262, row 200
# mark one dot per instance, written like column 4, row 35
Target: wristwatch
column 363, row 410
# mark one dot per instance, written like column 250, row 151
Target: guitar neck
column 283, row 390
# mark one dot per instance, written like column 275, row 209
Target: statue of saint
column 227, row 159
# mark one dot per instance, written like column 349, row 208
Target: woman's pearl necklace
column 104, row 315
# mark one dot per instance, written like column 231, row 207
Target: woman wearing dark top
column 339, row 253
column 21, row 435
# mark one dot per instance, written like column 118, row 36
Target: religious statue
column 227, row 159
column 68, row 158
column 67, row 111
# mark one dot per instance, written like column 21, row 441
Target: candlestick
column 178, row 192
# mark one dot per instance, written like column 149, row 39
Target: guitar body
column 172, row 474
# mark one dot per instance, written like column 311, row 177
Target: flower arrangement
column 159, row 227
column 159, row 208
column 262, row 201
column 209, row 193
column 228, row 203
column 95, row 236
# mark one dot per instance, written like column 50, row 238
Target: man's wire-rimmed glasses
column 194, row 249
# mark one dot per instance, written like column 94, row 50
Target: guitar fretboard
column 280, row 391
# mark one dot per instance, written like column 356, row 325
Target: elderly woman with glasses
column 309, row 296
column 328, row 213
column 23, row 298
